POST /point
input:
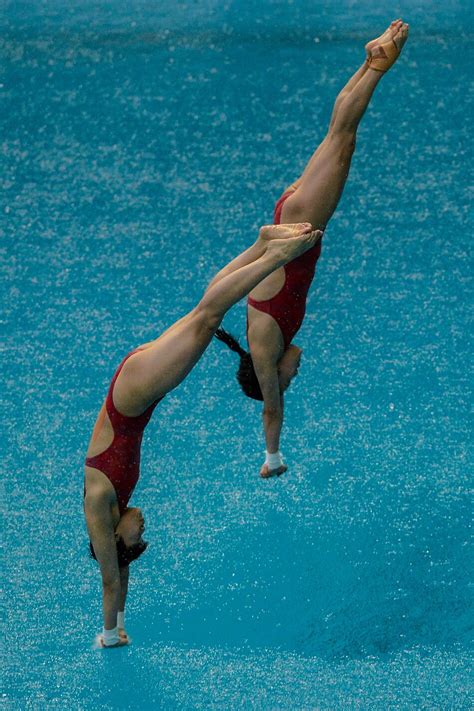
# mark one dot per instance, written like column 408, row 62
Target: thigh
column 321, row 185
column 150, row 374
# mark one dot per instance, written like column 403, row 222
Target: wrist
column 273, row 460
column 110, row 637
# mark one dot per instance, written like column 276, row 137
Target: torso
column 113, row 456
column 282, row 295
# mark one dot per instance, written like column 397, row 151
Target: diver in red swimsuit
column 276, row 307
column 143, row 378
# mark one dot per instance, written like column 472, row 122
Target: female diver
column 142, row 379
column 276, row 307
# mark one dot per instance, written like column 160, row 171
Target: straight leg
column 323, row 180
column 151, row 373
column 318, row 190
column 250, row 255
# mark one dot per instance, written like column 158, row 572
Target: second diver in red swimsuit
column 276, row 307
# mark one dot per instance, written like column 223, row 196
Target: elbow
column 271, row 413
column 111, row 586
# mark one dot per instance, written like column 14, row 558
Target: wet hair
column 124, row 555
column 246, row 375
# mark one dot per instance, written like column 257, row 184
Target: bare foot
column 269, row 232
column 294, row 240
column 389, row 33
column 399, row 39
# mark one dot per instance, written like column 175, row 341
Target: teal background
column 142, row 145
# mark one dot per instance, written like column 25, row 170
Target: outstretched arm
column 124, row 576
column 101, row 532
column 266, row 369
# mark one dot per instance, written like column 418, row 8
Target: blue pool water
column 142, row 145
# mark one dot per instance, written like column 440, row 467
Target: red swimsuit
column 120, row 462
column 288, row 306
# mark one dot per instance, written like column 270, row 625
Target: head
column 128, row 537
column 246, row 376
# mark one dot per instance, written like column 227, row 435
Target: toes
column 396, row 26
column 302, row 227
column 398, row 38
column 401, row 36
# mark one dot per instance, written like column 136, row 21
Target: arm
column 101, row 532
column 124, row 576
column 272, row 414
column 267, row 373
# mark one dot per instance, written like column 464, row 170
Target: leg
column 340, row 97
column 323, row 180
column 250, row 255
column 391, row 30
column 247, row 257
column 153, row 372
column 347, row 90
column 320, row 187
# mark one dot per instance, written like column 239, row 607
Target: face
column 131, row 527
column 288, row 366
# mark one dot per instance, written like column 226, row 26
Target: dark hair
column 246, row 375
column 124, row 555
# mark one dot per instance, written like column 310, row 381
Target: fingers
column 123, row 642
column 266, row 473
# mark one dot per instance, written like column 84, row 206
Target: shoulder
column 264, row 337
column 99, row 491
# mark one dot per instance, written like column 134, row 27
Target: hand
column 123, row 635
column 266, row 473
column 121, row 643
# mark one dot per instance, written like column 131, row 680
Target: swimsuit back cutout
column 120, row 462
column 288, row 306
